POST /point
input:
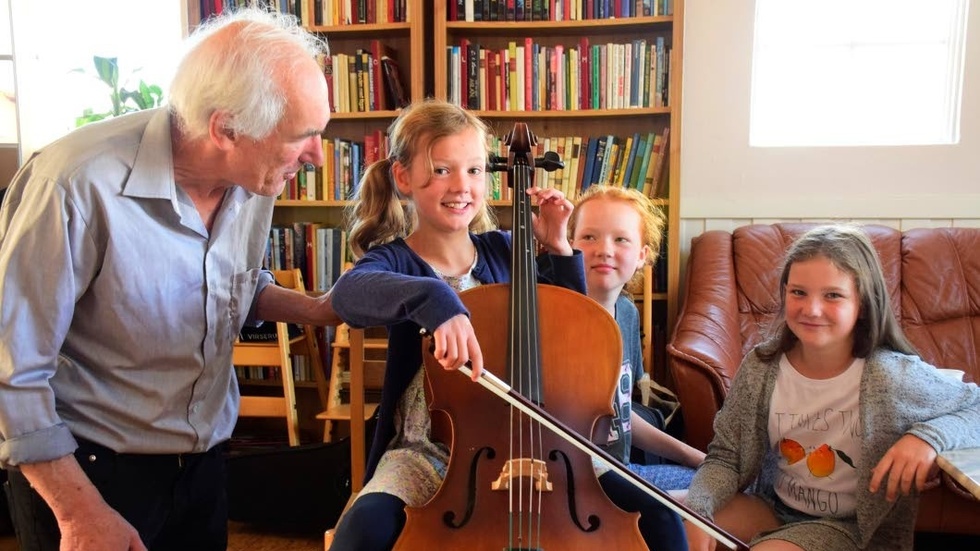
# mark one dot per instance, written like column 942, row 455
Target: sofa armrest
column 706, row 347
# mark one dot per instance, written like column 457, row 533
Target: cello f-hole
column 593, row 520
column 449, row 517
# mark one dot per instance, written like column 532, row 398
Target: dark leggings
column 374, row 521
column 662, row 529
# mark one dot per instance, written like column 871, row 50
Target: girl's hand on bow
column 455, row 345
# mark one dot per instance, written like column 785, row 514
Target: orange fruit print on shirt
column 791, row 450
column 821, row 461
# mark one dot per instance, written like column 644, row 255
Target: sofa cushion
column 941, row 296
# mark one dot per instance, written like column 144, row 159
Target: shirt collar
column 153, row 169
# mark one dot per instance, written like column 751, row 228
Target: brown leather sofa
column 730, row 296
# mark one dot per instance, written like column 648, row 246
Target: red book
column 398, row 93
column 382, row 141
column 585, row 74
column 492, row 73
column 327, row 62
column 528, row 74
column 372, row 16
column 370, row 149
column 379, row 51
column 505, row 80
column 464, row 79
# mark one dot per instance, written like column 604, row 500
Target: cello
column 521, row 476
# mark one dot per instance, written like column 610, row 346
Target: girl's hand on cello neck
column 550, row 224
column 456, row 345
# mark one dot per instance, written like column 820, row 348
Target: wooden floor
column 241, row 537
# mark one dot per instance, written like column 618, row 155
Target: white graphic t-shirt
column 815, row 428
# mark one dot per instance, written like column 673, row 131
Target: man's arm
column 85, row 519
column 277, row 303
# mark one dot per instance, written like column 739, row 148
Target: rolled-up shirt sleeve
column 37, row 297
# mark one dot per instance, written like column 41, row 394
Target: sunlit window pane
column 8, row 104
column 6, row 45
column 857, row 72
column 57, row 84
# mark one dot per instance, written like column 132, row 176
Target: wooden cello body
column 574, row 513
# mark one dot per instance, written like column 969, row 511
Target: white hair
column 241, row 73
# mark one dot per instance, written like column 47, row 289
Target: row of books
column 302, row 371
column 367, row 80
column 529, row 76
column 637, row 161
column 555, row 10
column 344, row 162
column 325, row 12
column 319, row 251
column 352, row 12
column 216, row 7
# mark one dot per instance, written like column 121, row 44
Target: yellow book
column 621, row 165
column 574, row 178
column 610, row 168
column 513, row 85
column 648, row 189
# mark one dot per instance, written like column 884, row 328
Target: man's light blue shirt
column 118, row 308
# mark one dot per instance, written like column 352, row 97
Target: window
column 55, row 43
column 857, row 72
column 8, row 94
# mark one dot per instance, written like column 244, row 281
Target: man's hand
column 102, row 528
column 86, row 521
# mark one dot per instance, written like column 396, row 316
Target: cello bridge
column 518, row 468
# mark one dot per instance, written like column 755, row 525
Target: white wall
column 725, row 182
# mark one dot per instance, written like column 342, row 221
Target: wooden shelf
column 276, row 383
column 342, row 412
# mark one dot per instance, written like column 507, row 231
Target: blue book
column 630, row 159
column 589, row 164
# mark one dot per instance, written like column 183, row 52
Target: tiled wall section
column 692, row 227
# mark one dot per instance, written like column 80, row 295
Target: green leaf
column 108, row 70
column 843, row 456
column 123, row 101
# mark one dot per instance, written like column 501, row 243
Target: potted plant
column 146, row 96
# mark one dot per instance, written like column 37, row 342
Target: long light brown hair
column 377, row 215
column 850, row 249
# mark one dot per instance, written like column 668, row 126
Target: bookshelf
column 421, row 44
column 547, row 34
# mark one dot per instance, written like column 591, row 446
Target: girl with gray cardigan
column 833, row 425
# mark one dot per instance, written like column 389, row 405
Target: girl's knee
column 372, row 523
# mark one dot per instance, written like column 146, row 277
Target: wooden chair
column 366, row 371
column 365, row 367
column 278, row 354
